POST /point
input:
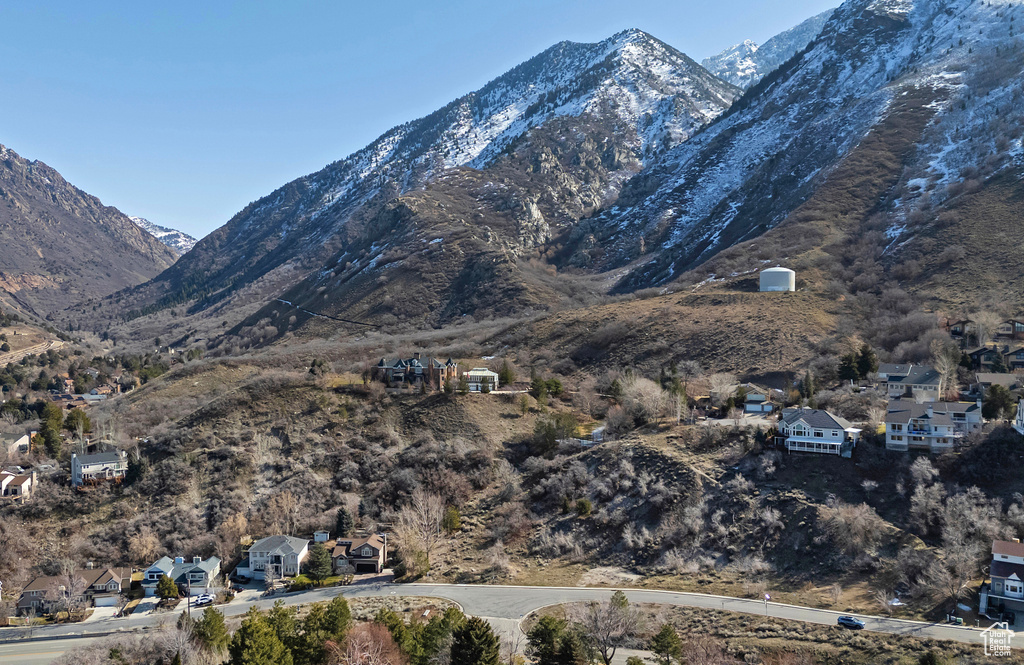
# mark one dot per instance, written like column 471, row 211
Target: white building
column 479, row 377
column 92, row 469
column 778, row 279
column 283, row 555
column 932, row 426
column 921, row 382
column 817, row 431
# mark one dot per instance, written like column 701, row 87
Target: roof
column 1008, row 547
column 347, row 545
column 901, row 411
column 176, row 570
column 1005, row 569
column 482, row 371
column 1007, row 380
column 893, row 368
column 91, row 576
column 814, row 418
column 917, row 374
column 279, row 545
column 100, row 458
column 777, row 269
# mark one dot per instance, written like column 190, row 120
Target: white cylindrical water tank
column 778, row 279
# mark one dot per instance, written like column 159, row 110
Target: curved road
column 501, row 603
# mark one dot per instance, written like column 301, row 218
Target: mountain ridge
column 63, row 245
column 179, row 241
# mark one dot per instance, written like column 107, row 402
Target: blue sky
column 184, row 112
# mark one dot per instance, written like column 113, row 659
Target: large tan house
column 366, row 554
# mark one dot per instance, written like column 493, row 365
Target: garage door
column 105, row 601
column 366, row 568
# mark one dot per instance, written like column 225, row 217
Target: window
column 897, row 438
column 818, row 434
column 897, row 428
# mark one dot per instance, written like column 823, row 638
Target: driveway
column 101, row 614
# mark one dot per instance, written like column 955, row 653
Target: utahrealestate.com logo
column 997, row 639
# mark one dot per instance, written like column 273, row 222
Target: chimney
column 979, row 402
column 197, row 559
column 90, row 565
column 931, row 411
column 179, row 559
column 416, row 355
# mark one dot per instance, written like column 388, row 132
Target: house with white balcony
column 481, row 380
column 816, row 431
column 933, row 426
column 1005, row 592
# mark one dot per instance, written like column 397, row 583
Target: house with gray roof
column 920, row 382
column 415, row 371
column 98, row 468
column 197, row 575
column 283, row 555
column 1005, row 591
column 816, row 431
column 932, row 426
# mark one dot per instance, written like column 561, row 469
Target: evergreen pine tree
column 666, row 645
column 256, row 643
column 848, row 368
column 474, row 643
column 867, row 361
column 344, row 523
column 319, row 565
column 211, row 631
column 505, row 375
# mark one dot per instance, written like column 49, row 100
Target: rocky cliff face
column 61, row 245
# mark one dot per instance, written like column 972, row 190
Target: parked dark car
column 850, row 622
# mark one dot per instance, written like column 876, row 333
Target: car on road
column 204, row 599
column 850, row 622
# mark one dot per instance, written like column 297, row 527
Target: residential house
column 283, row 555
column 986, row 358
column 1011, row 328
column 16, row 486
column 932, row 426
column 414, row 372
column 197, row 575
column 918, row 381
column 102, row 587
column 959, row 328
column 366, row 554
column 816, row 431
column 479, row 377
column 15, row 443
column 1005, row 592
column 758, row 403
column 985, row 380
column 97, row 468
column 993, row 357
column 1018, row 421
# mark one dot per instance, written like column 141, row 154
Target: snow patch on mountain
column 747, row 63
column 179, row 241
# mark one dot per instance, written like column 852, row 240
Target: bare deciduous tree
column 855, row 529
column 366, row 644
column 986, row 323
column 643, row 399
column 946, row 359
column 705, row 649
column 419, row 525
column 722, row 384
column 608, row 624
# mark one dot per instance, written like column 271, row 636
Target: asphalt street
column 503, row 604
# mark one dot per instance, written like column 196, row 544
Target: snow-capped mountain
column 179, row 241
column 747, row 63
column 873, row 63
column 653, row 96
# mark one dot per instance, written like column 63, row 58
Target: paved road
column 495, row 602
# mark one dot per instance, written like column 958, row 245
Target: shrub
column 584, row 507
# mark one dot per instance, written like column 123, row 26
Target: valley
column 523, row 351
